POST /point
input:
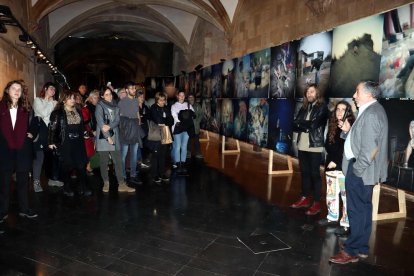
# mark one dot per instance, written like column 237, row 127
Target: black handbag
column 154, row 131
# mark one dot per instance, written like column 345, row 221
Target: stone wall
column 16, row 59
column 270, row 23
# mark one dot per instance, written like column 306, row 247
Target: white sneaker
column 36, row 186
column 144, row 166
column 55, row 183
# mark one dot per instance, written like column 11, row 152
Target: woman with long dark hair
column 42, row 107
column 67, row 135
column 335, row 179
column 16, row 147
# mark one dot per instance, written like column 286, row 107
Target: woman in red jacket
column 16, row 147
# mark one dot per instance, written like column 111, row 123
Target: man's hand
column 344, row 126
column 53, row 146
column 106, row 128
column 331, row 165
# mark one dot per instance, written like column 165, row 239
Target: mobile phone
column 346, row 114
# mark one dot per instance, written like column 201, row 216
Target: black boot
column 83, row 190
column 67, row 191
column 182, row 170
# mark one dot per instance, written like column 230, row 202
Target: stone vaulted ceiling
column 144, row 20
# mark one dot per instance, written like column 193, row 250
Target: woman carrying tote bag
column 160, row 115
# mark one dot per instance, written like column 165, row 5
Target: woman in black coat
column 160, row 114
column 16, row 147
column 67, row 136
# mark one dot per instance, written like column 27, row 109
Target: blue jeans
column 180, row 143
column 359, row 204
column 132, row 158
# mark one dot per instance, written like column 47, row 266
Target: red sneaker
column 314, row 209
column 303, row 202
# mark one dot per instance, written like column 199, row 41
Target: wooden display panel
column 276, row 172
column 402, row 212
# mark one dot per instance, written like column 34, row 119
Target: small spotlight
column 33, row 46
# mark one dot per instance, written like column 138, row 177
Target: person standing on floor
column 107, row 143
column 88, row 113
column 16, row 147
column 310, row 125
column 335, row 185
column 364, row 164
column 130, row 132
column 183, row 128
column 160, row 114
column 42, row 108
column 195, row 140
column 67, row 136
column 143, row 114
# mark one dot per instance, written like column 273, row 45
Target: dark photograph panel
column 216, row 84
column 281, row 113
column 401, row 140
column 208, row 122
column 243, row 76
column 226, row 118
column 241, row 115
column 314, row 62
column 356, row 55
column 259, row 74
column 283, row 70
column 228, row 75
column 206, row 82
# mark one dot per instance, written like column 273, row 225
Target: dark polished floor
column 190, row 227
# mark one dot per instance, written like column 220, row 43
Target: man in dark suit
column 364, row 164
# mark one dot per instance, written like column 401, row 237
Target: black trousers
column 309, row 168
column 158, row 161
column 22, row 180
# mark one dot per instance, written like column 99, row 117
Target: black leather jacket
column 58, row 124
column 315, row 126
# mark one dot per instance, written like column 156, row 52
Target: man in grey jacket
column 364, row 164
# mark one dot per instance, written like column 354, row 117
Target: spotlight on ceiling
column 198, row 67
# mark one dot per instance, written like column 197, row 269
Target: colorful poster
column 259, row 74
column 283, row 70
column 356, row 55
column 397, row 60
column 281, row 113
column 314, row 62
column 258, row 121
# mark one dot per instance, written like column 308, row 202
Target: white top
column 176, row 108
column 43, row 108
column 13, row 115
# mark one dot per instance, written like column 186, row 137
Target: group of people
column 69, row 132
column 356, row 160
